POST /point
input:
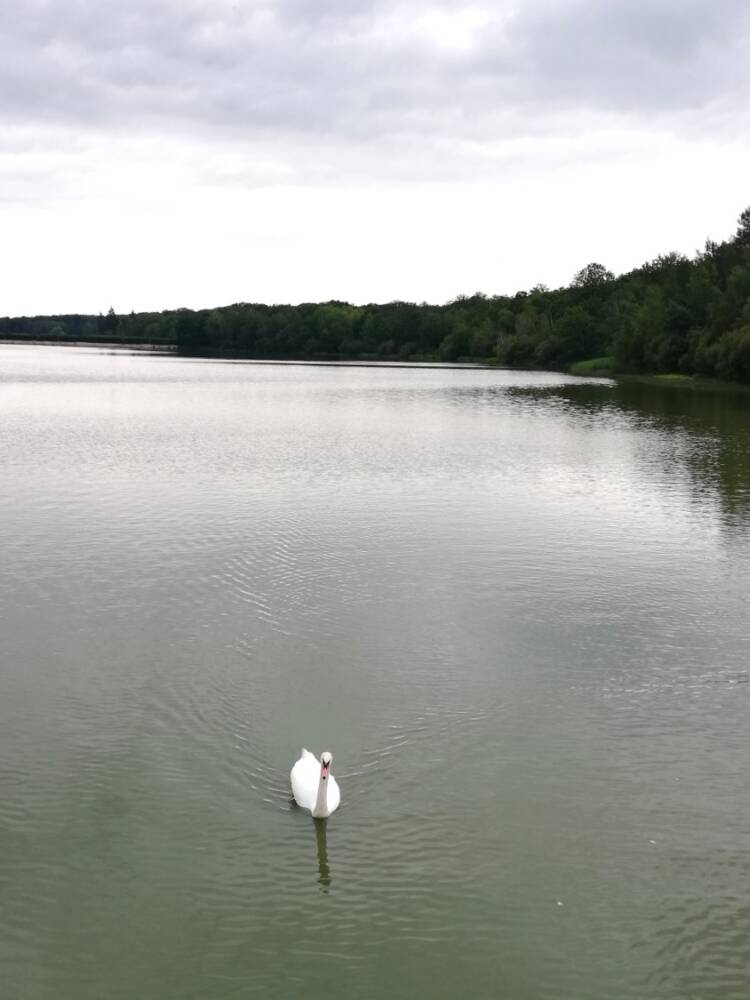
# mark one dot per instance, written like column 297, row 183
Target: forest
column 674, row 314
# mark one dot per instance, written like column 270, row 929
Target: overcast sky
column 163, row 153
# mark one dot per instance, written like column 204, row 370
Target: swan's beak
column 324, row 771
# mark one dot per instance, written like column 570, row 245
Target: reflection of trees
column 709, row 428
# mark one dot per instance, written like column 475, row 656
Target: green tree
column 592, row 275
column 110, row 322
column 575, row 333
column 743, row 228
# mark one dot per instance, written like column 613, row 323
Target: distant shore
column 596, row 368
column 109, row 344
column 673, row 316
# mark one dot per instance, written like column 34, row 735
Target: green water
column 513, row 605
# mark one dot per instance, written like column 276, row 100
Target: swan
column 313, row 787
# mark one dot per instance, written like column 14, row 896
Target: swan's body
column 313, row 786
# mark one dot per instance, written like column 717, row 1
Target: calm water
column 514, row 606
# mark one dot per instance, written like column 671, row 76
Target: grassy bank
column 594, row 366
column 605, row 368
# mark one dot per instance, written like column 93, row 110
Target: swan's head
column 326, row 759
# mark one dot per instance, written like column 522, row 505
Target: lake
column 513, row 605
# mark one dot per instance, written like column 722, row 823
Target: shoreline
column 108, row 344
column 671, row 379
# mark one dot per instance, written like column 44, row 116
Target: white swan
column 313, row 787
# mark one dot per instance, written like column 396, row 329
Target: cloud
column 643, row 56
column 359, row 71
column 359, row 148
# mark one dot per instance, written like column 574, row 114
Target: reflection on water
column 324, row 870
column 702, row 434
column 514, row 606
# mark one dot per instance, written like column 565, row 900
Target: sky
column 165, row 153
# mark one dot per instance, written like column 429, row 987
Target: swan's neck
column 321, row 802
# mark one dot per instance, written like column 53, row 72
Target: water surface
column 513, row 605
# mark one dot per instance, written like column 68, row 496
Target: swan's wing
column 304, row 778
column 334, row 795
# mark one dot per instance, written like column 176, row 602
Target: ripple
column 513, row 606
column 700, row 942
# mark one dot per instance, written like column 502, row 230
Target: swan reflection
column 324, row 871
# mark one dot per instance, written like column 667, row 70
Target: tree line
column 673, row 314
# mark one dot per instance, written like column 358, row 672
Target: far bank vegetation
column 675, row 314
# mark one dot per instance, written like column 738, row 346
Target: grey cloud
column 641, row 56
column 342, row 69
